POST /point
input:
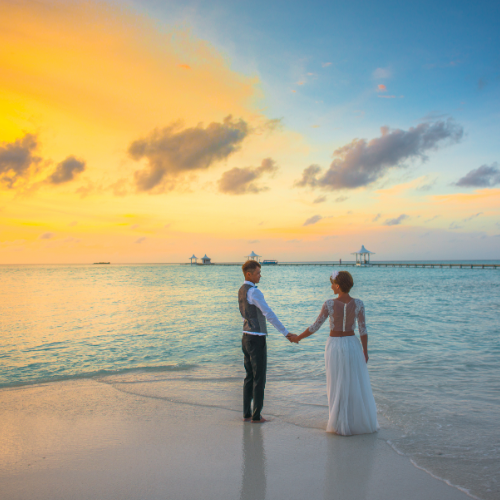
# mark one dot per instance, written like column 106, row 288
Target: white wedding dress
column 351, row 404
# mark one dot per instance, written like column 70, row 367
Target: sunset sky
column 149, row 131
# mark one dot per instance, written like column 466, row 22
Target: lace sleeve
column 360, row 316
column 320, row 320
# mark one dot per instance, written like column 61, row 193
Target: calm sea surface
column 175, row 332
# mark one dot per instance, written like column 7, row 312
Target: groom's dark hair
column 250, row 265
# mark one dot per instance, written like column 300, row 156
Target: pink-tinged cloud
column 172, row 150
column 325, row 65
column 362, row 162
column 46, row 236
column 184, row 66
column 382, row 88
column 241, row 180
column 312, row 220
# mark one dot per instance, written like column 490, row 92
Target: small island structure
column 269, row 262
column 362, row 256
column 99, row 263
column 193, row 257
column 253, row 256
column 206, row 260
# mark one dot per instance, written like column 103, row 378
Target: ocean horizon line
column 298, row 262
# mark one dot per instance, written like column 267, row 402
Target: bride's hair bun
column 344, row 281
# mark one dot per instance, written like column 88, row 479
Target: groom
column 254, row 309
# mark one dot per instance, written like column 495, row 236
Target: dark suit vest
column 255, row 321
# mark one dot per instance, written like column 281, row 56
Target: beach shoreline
column 87, row 439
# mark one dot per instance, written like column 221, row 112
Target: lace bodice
column 342, row 316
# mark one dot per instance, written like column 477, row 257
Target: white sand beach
column 83, row 439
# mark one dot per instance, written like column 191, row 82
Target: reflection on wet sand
column 345, row 477
column 253, row 482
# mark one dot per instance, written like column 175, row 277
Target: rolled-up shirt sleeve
column 256, row 298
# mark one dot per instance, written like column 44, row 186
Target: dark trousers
column 255, row 350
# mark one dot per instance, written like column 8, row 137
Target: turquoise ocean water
column 174, row 332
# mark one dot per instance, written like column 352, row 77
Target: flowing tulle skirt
column 350, row 398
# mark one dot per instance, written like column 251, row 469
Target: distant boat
column 101, row 262
column 269, row 262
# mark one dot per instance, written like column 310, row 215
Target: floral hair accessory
column 334, row 275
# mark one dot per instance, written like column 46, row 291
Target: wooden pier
column 430, row 265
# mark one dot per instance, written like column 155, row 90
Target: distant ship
column 269, row 262
column 101, row 262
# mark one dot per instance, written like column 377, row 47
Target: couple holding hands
column 352, row 408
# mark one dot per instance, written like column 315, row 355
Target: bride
column 351, row 404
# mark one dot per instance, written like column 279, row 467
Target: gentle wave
column 102, row 373
column 434, row 338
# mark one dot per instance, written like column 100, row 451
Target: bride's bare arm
column 364, row 343
column 316, row 325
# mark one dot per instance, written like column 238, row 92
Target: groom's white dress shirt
column 256, row 298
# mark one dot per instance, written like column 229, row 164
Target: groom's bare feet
column 261, row 421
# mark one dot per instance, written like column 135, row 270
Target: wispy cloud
column 320, row 199
column 340, row 199
column 326, row 64
column 140, row 240
column 46, row 236
column 380, row 73
column 432, row 218
column 483, row 176
column 312, row 220
column 376, row 218
column 435, row 115
column 18, row 159
column 172, row 151
column 381, row 88
column 426, row 187
column 67, row 170
column 475, row 216
column 362, row 162
column 396, row 221
column 454, row 225
column 241, row 180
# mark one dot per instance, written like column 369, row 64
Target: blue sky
column 339, row 123
column 437, row 58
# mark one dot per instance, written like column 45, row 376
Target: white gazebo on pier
column 253, row 256
column 362, row 256
column 193, row 258
column 206, row 260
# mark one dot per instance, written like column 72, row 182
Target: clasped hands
column 293, row 338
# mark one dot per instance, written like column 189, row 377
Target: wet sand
column 83, row 439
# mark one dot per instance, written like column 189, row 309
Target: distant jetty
column 441, row 265
column 99, row 263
